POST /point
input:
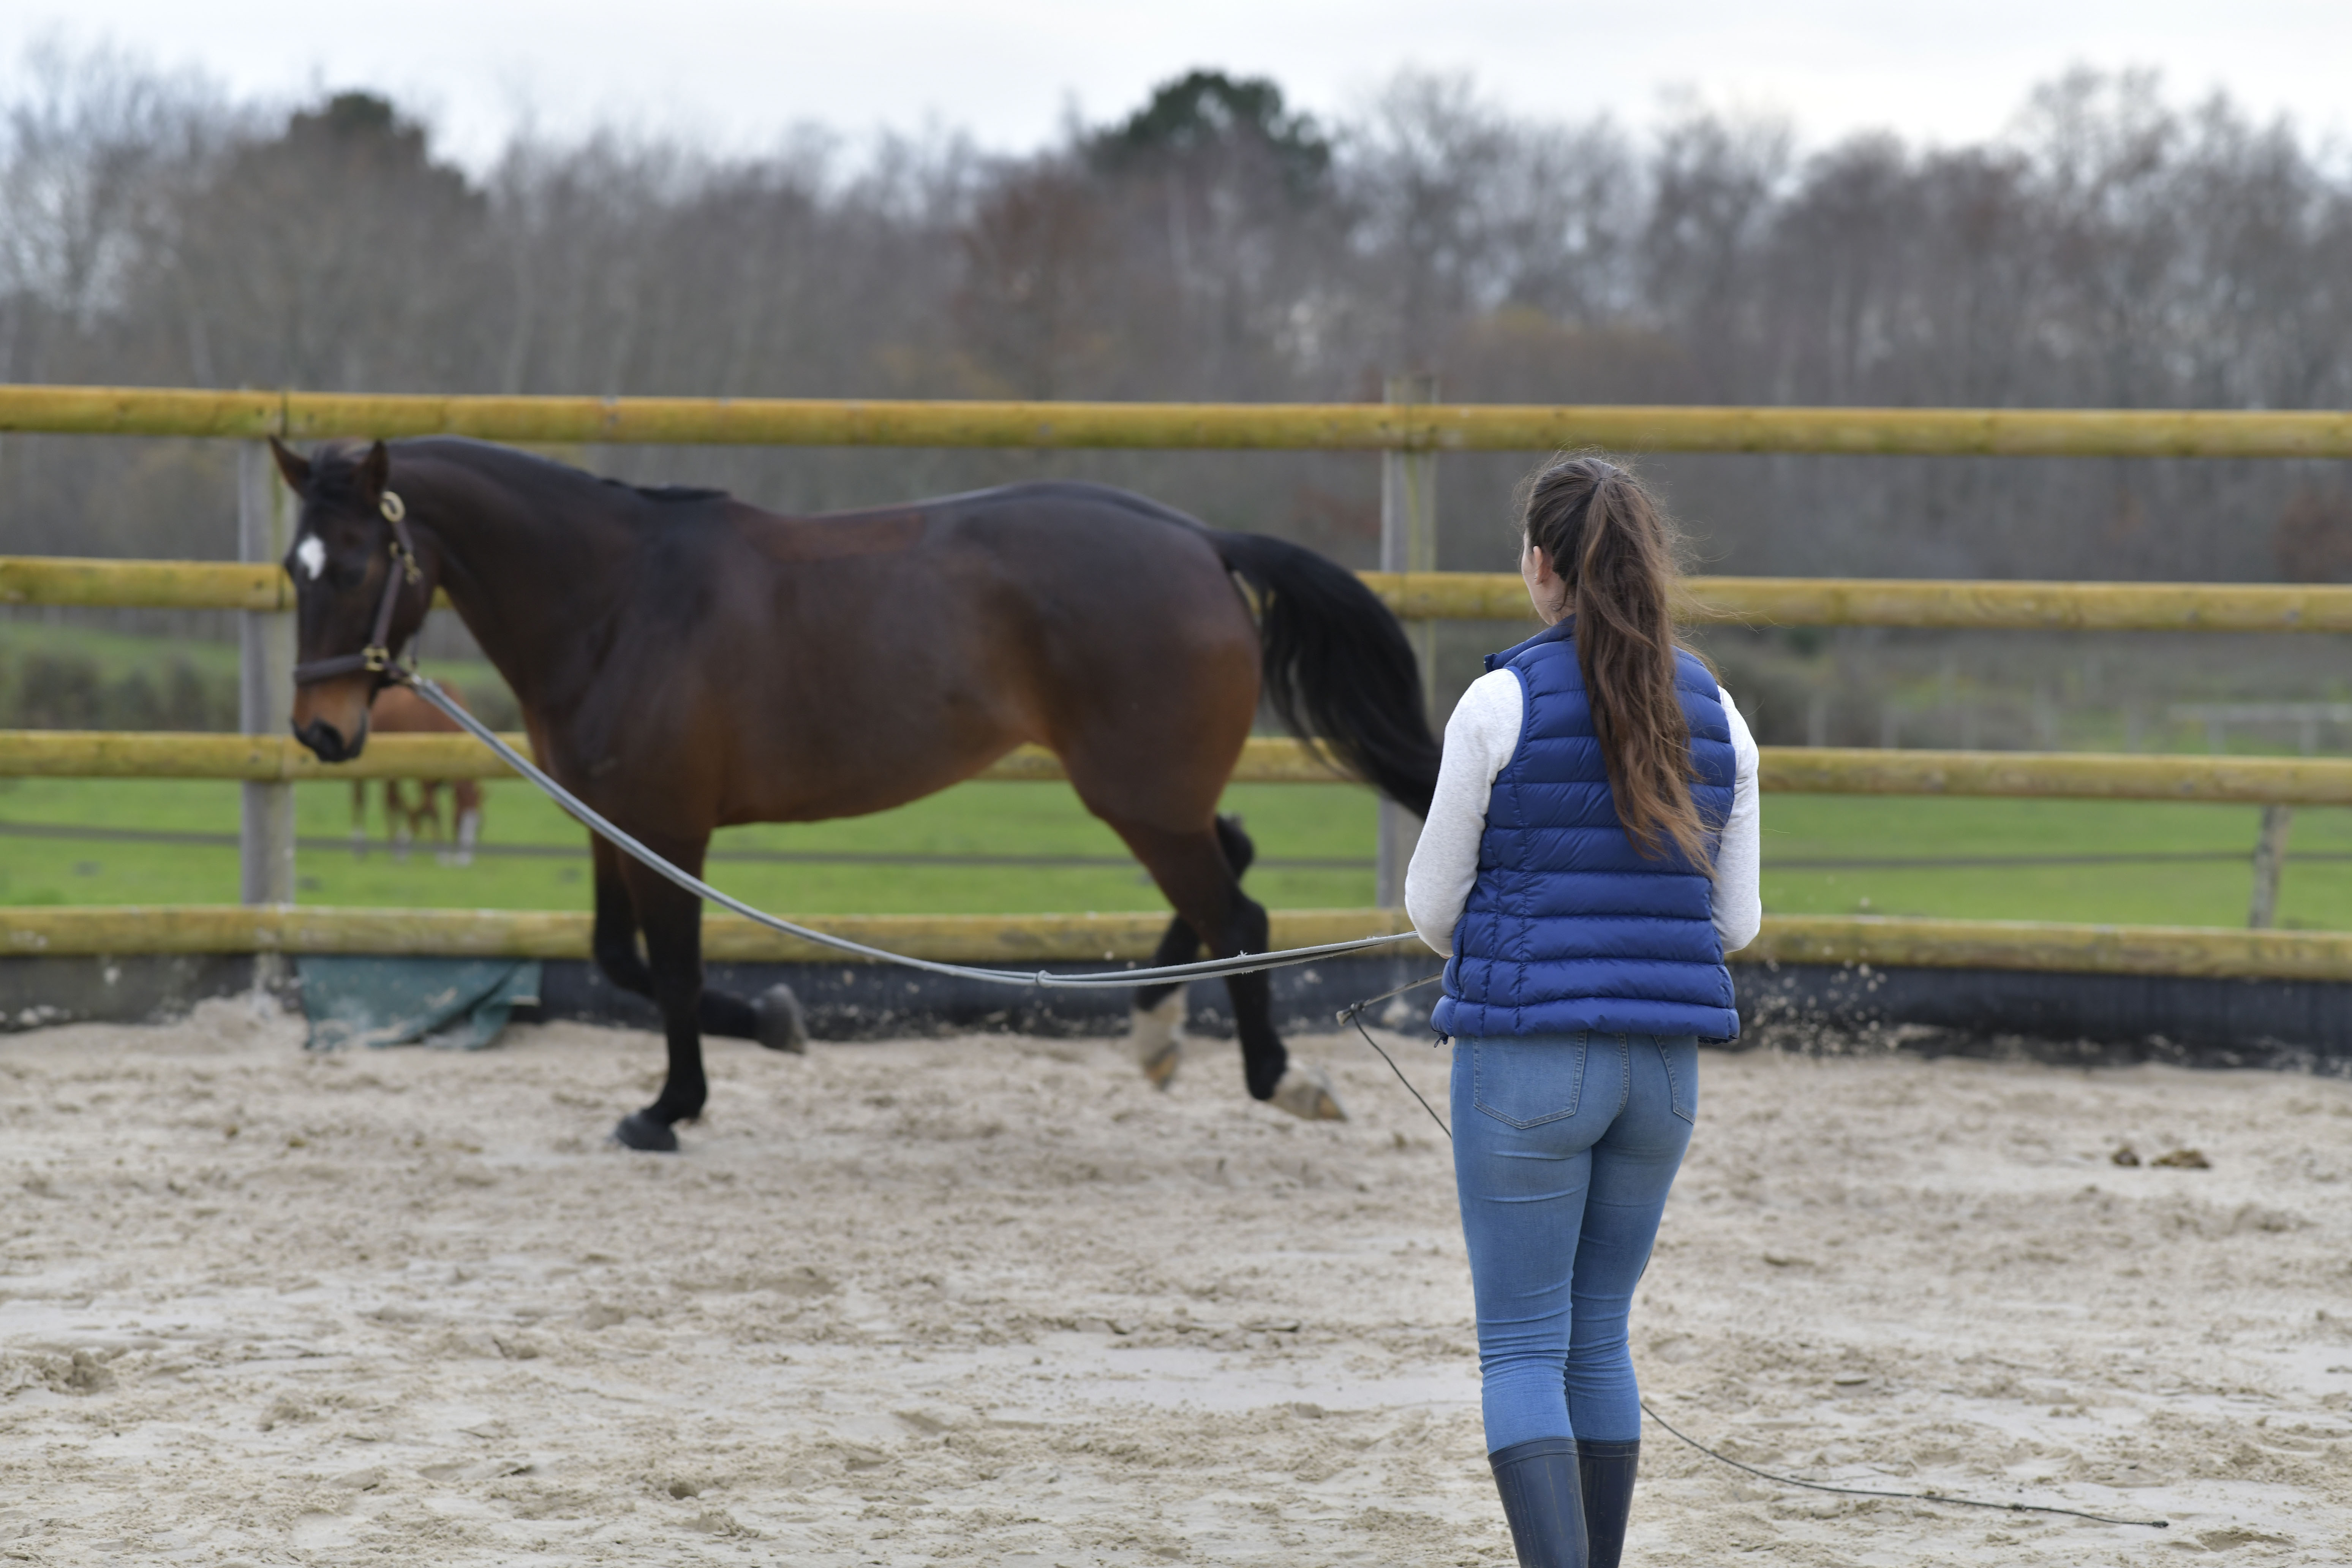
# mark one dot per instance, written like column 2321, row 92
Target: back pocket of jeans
column 1679, row 1053
column 1527, row 1083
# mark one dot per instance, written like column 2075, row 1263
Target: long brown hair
column 1614, row 549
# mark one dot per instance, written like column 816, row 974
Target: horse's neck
column 532, row 579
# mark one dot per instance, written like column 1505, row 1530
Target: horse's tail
column 1339, row 671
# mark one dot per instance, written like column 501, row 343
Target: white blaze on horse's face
column 313, row 554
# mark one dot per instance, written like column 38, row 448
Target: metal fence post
column 265, row 683
column 1408, row 543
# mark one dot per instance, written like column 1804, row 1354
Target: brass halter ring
column 394, row 510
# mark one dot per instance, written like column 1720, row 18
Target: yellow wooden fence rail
column 547, row 933
column 1448, row 596
column 1335, row 426
column 87, row 582
column 1789, row 770
column 176, row 754
column 1417, row 596
column 1890, row 940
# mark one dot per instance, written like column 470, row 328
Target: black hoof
column 782, row 1027
column 638, row 1130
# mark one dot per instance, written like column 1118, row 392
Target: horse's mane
column 336, row 462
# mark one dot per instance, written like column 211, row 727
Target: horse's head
column 359, row 592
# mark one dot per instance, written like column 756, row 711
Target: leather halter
column 375, row 658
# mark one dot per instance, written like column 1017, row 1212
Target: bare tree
column 2115, row 247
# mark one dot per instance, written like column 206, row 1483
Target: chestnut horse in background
column 685, row 661
column 397, row 711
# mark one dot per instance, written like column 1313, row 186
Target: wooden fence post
column 1408, row 543
column 2269, row 859
column 265, row 683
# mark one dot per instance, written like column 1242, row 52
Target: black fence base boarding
column 2073, row 1020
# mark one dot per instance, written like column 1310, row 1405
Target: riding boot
column 1541, row 1498
column 1606, row 1473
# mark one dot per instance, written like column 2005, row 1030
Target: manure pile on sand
column 994, row 1301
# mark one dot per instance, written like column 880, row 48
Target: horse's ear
column 373, row 473
column 293, row 465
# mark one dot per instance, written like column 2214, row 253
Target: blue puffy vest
column 1568, row 926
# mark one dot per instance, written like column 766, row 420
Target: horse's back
column 1067, row 497
column 966, row 519
column 1051, row 555
column 892, row 651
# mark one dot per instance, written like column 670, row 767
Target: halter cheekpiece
column 376, row 657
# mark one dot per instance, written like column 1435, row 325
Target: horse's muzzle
column 327, row 744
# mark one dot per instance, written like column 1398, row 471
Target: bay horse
column 397, row 711
column 685, row 661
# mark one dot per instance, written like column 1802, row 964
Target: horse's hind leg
column 1156, row 1032
column 1191, row 869
column 468, row 796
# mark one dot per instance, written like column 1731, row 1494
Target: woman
column 1588, row 859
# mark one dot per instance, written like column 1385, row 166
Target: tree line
column 2115, row 249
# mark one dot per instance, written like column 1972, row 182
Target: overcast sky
column 736, row 73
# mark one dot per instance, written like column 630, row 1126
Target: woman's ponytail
column 1615, row 553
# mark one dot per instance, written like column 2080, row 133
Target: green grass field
column 114, row 654
column 1304, row 821
column 1319, row 822
column 1288, row 821
column 2314, row 893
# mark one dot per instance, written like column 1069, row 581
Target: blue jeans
column 1564, row 1147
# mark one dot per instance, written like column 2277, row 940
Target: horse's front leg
column 773, row 1018
column 614, row 942
column 671, row 920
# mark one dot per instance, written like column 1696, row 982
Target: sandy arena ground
column 993, row 1301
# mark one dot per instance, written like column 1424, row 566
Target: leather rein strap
column 376, row 657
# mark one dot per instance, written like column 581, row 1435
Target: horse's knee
column 618, row 960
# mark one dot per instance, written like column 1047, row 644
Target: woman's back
column 1568, row 924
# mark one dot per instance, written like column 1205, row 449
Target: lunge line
column 1122, row 979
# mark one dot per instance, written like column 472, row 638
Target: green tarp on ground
column 453, row 1004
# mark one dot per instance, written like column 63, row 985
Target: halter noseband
column 375, row 658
